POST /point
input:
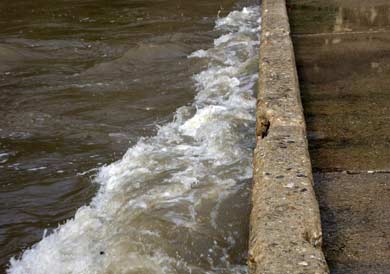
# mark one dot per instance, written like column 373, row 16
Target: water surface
column 80, row 84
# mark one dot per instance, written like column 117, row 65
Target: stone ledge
column 285, row 228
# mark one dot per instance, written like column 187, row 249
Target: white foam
column 4, row 158
column 157, row 208
column 37, row 168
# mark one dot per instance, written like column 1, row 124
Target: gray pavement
column 342, row 51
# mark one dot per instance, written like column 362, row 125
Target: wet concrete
column 356, row 221
column 343, row 56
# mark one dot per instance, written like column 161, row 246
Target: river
column 126, row 135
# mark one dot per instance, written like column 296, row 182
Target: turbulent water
column 176, row 202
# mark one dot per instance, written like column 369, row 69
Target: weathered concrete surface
column 343, row 56
column 285, row 230
column 356, row 221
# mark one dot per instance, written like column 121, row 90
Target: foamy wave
column 158, row 208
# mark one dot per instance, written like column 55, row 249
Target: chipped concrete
column 285, row 229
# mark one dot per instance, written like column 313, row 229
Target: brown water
column 80, row 83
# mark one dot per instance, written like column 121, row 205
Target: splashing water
column 176, row 202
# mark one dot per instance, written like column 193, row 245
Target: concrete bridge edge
column 285, row 228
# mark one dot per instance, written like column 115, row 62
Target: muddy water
column 81, row 83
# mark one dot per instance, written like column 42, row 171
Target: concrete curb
column 285, row 228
